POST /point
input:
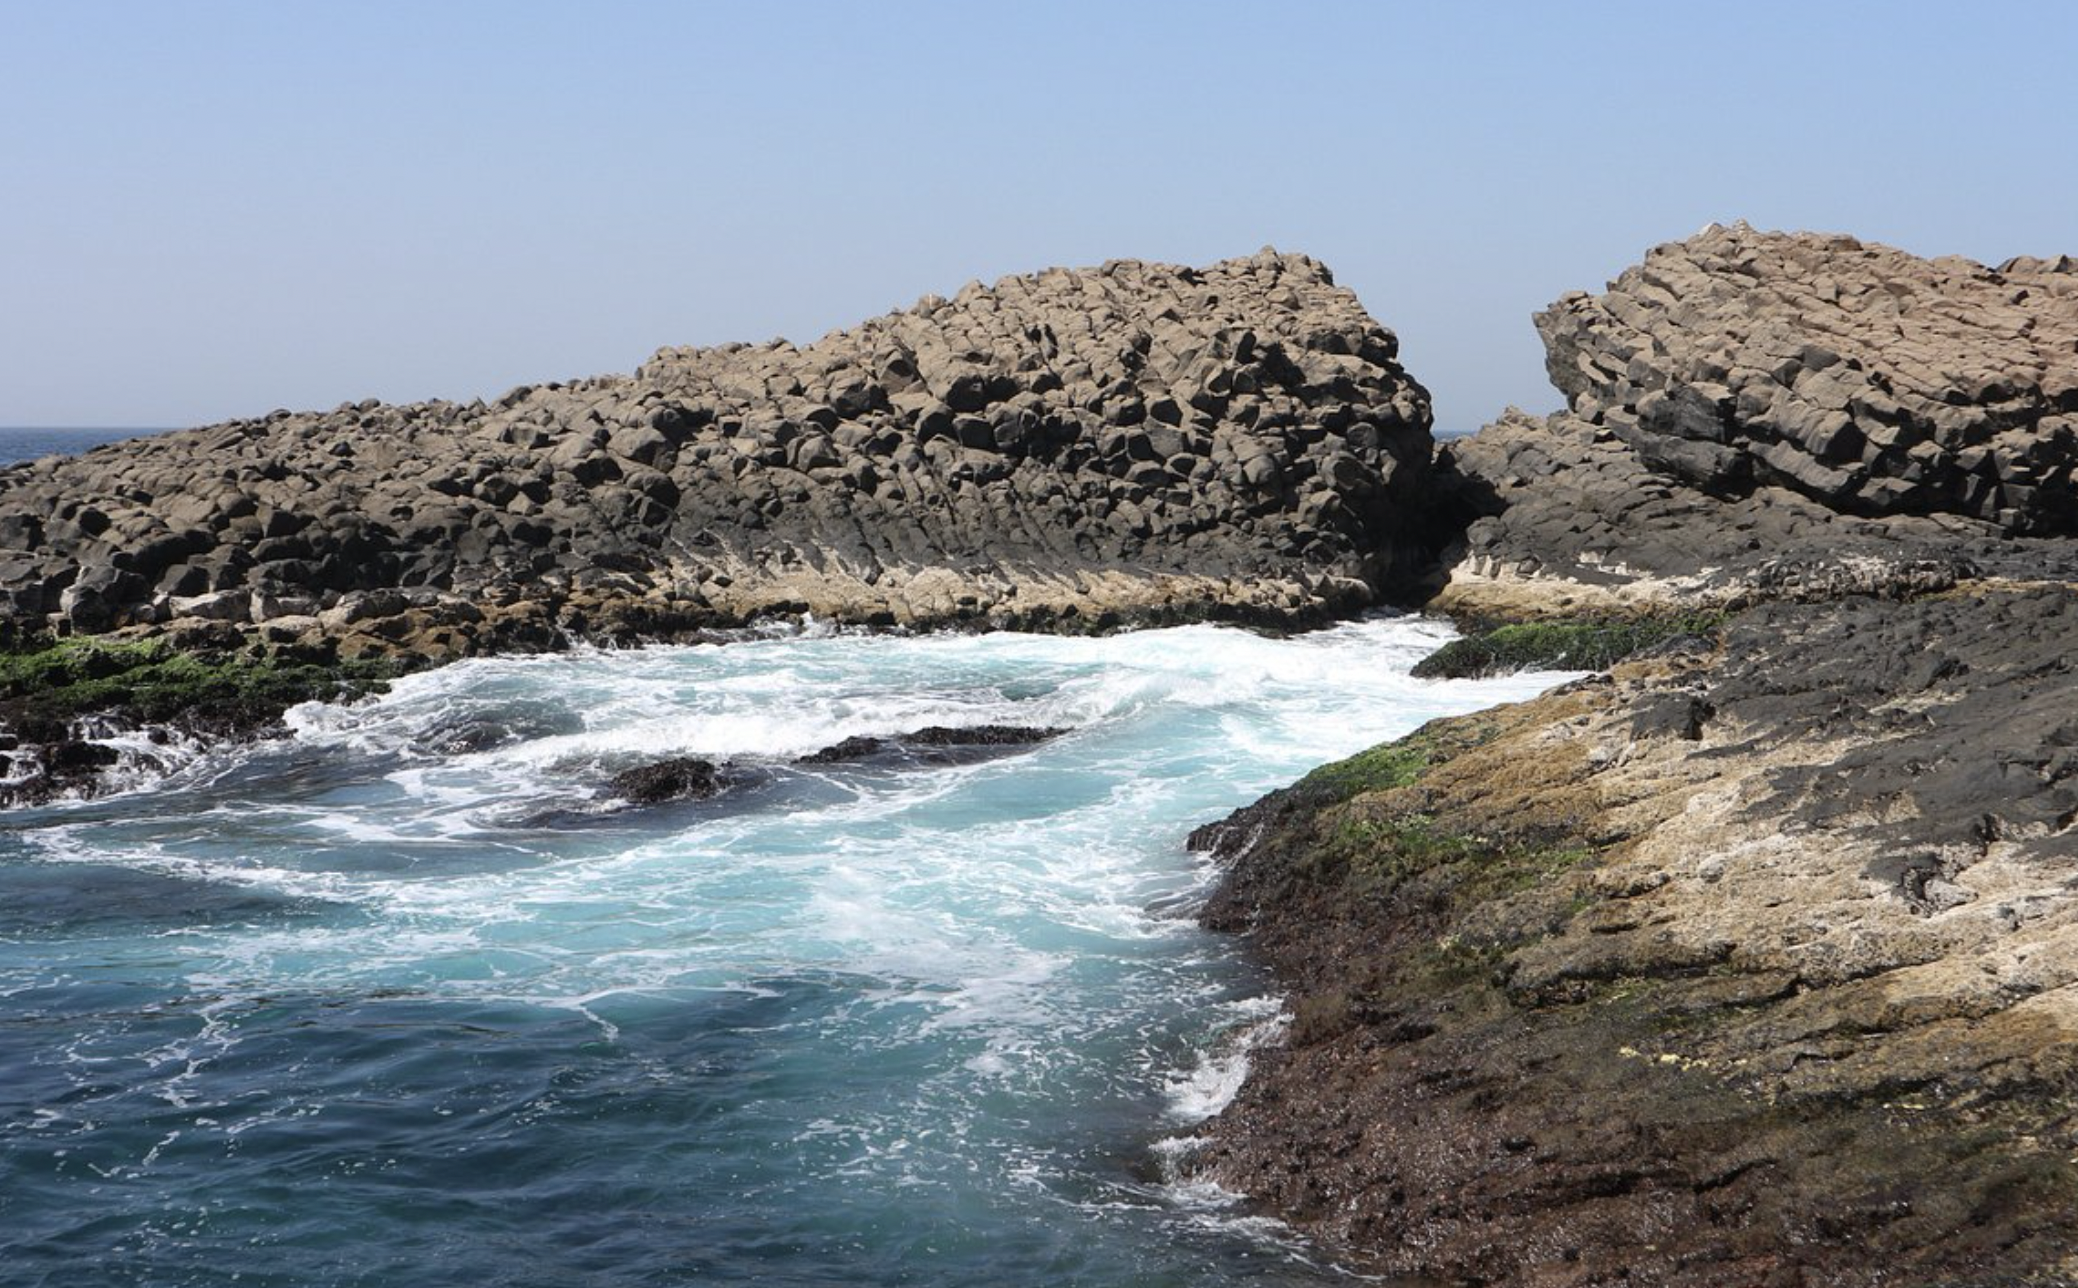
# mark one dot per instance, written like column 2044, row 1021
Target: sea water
column 402, row 999
column 19, row 443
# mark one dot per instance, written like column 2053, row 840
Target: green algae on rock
column 1580, row 992
column 52, row 691
column 1580, row 645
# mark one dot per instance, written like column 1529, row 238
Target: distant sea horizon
column 28, row 442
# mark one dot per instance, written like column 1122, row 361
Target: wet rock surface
column 1748, row 960
column 1747, row 965
column 933, row 744
column 680, row 778
column 1073, row 449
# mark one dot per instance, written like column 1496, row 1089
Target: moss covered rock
column 1585, row 645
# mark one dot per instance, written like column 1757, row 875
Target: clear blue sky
column 213, row 209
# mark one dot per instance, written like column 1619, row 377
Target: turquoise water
column 400, row 1000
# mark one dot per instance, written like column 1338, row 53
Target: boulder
column 679, row 778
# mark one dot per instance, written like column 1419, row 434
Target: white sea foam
column 1212, row 1081
column 1003, row 935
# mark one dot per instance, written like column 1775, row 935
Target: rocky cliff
column 1767, row 415
column 1869, row 379
column 1749, row 960
column 1132, row 442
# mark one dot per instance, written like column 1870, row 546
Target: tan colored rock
column 1869, row 379
column 1236, row 441
column 1746, row 966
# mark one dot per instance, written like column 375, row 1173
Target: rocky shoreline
column 1748, row 959
column 1129, row 445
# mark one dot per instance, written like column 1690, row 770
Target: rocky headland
column 1074, row 450
column 1749, row 959
column 1130, row 443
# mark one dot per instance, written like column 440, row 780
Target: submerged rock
column 936, row 744
column 681, row 778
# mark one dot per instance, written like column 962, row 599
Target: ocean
column 401, row 1000
column 19, row 443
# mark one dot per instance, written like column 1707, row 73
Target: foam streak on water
column 401, row 1000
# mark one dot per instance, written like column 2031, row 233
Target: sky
column 211, row 210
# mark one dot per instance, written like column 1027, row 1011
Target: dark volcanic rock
column 1136, row 442
column 1748, row 961
column 980, row 736
column 1561, row 516
column 1871, row 380
column 935, row 744
column 1777, row 991
column 681, row 778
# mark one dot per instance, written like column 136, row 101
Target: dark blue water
column 19, row 443
column 352, row 1009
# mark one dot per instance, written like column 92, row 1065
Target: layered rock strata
column 1132, row 442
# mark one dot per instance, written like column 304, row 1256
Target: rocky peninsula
column 1074, row 450
column 1131, row 443
column 1751, row 958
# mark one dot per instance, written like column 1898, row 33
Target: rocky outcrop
column 1743, row 964
column 680, row 778
column 933, row 745
column 1746, row 961
column 1758, row 416
column 1871, row 380
column 1559, row 517
column 1132, row 442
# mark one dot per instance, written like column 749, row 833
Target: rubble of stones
column 1247, row 420
column 1874, row 381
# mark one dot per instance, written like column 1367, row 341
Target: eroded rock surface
column 1759, row 416
column 1754, row 966
column 1132, row 442
column 1751, row 961
column 1870, row 379
column 1561, row 516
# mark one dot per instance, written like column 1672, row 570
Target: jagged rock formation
column 1560, row 516
column 1871, row 380
column 1767, row 415
column 1748, row 962
column 1132, row 441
